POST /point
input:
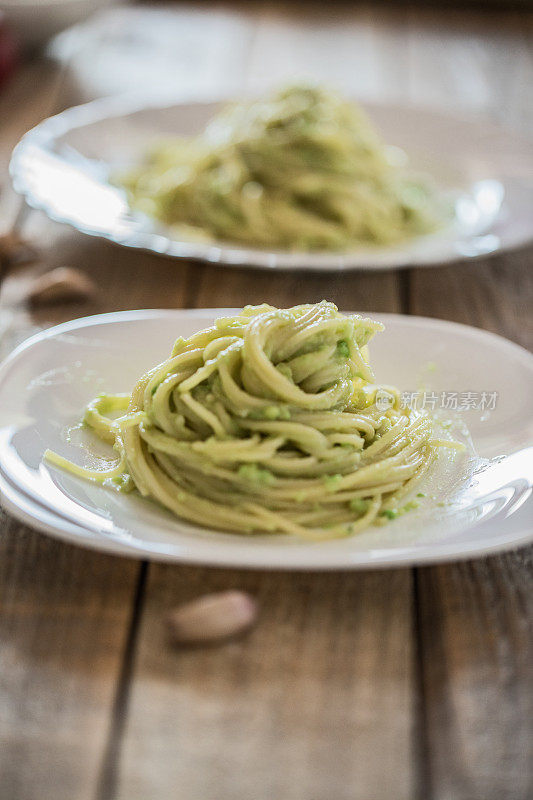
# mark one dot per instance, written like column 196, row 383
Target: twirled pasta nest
column 303, row 170
column 268, row 422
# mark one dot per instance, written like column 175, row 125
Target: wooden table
column 411, row 684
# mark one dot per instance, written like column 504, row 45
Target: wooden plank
column 221, row 287
column 298, row 41
column 476, row 648
column 461, row 60
column 495, row 294
column 330, row 704
column 124, row 279
column 475, row 636
column 324, row 683
column 202, row 50
column 322, row 689
column 64, row 621
column 475, row 643
column 28, row 97
column 32, row 94
column 68, row 615
column 65, row 612
column 316, row 702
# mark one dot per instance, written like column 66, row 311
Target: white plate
column 46, row 382
column 63, row 166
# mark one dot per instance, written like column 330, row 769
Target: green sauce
column 256, row 475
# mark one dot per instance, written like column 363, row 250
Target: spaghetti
column 267, row 422
column 304, row 170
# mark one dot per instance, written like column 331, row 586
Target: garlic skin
column 15, row 250
column 212, row 618
column 60, row 285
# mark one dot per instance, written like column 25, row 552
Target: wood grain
column 363, row 292
column 474, row 635
column 458, row 60
column 68, row 616
column 315, row 702
column 64, row 620
column 33, row 94
column 496, row 294
column 65, row 612
column 320, row 705
column 124, row 279
column 476, row 643
column 26, row 100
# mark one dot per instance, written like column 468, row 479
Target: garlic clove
column 213, row 617
column 14, row 249
column 60, row 285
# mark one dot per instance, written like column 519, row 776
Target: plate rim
column 111, row 547
column 226, row 254
column 68, row 531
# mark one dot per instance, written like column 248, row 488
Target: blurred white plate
column 46, row 382
column 63, row 166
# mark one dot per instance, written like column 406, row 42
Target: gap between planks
column 107, row 780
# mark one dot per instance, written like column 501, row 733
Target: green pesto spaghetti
column 267, row 422
column 303, row 170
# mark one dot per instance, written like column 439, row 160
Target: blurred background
column 428, row 52
column 474, row 58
